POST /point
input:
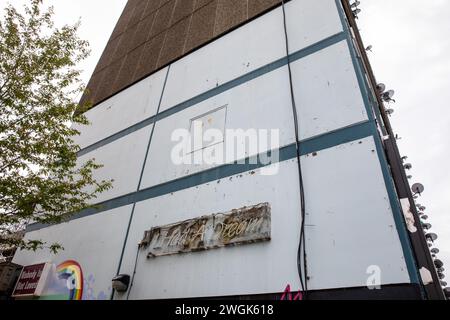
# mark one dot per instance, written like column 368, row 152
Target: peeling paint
column 426, row 276
column 409, row 217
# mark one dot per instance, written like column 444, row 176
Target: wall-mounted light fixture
column 121, row 282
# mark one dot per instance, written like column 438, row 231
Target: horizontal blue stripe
column 218, row 90
column 316, row 144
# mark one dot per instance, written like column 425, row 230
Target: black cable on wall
column 301, row 254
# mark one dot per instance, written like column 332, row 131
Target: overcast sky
column 411, row 45
column 411, row 54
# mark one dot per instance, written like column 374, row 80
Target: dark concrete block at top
column 128, row 69
column 202, row 26
column 108, row 53
column 183, row 8
column 152, row 6
column 138, row 12
column 174, row 43
column 230, row 13
column 153, row 33
column 106, row 87
column 143, row 30
column 126, row 43
column 201, row 3
column 163, row 18
column 124, row 19
column 150, row 56
column 255, row 7
column 92, row 89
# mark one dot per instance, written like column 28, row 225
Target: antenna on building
column 426, row 226
column 356, row 12
column 355, row 4
column 438, row 263
column 381, row 88
column 355, row 9
column 388, row 95
column 432, row 237
column 418, row 188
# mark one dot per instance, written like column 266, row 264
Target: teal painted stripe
column 393, row 198
column 318, row 143
column 218, row 90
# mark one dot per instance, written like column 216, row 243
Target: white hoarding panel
column 343, row 243
column 250, row 47
column 122, row 162
column 123, row 110
column 92, row 244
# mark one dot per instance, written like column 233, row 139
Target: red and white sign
column 32, row 280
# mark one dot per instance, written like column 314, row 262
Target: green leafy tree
column 40, row 179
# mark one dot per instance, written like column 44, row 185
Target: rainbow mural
column 71, row 272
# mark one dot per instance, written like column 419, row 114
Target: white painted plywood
column 350, row 227
column 122, row 162
column 138, row 102
column 250, row 47
column 94, row 242
column 327, row 92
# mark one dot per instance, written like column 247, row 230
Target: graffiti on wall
column 71, row 272
column 291, row 296
column 67, row 282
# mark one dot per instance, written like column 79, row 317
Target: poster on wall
column 59, row 281
column 32, row 281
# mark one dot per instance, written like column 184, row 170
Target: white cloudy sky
column 411, row 54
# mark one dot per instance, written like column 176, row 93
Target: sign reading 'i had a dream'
column 240, row 226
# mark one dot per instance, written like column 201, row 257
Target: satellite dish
column 427, row 226
column 438, row 263
column 357, row 11
column 381, row 87
column 408, row 166
column 447, row 292
column 422, row 208
column 443, row 283
column 409, row 177
column 424, row 217
column 390, row 112
column 441, row 276
column 355, row 4
column 389, row 94
column 431, row 236
column 441, row 270
column 435, row 250
column 369, row 48
column 418, row 188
